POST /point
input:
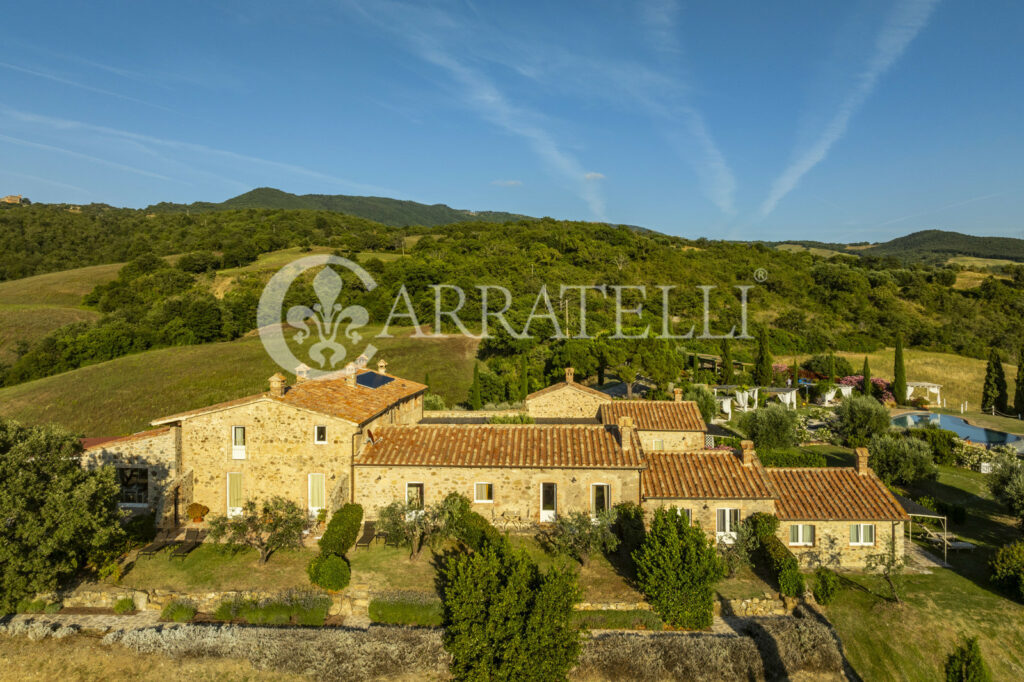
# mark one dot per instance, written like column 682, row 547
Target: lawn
column 30, row 322
column 57, row 288
column 212, row 567
column 121, row 396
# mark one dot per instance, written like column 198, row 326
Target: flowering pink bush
column 882, row 387
column 780, row 368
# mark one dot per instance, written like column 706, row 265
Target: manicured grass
column 122, row 396
column 57, row 288
column 618, row 620
column 385, row 569
column 30, row 322
column 406, row 612
column 745, row 584
column 210, row 567
column 603, row 579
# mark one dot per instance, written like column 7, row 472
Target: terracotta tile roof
column 568, row 384
column 709, row 474
column 833, row 494
column 90, row 443
column 656, row 415
column 330, row 395
column 501, row 445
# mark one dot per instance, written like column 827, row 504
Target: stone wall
column 672, row 441
column 704, row 511
column 156, row 451
column 566, row 402
column 832, row 543
column 280, row 453
column 516, row 490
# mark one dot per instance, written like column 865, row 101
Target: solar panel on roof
column 373, row 379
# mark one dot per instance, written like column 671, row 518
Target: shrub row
column 302, row 609
column 179, row 611
column 776, row 556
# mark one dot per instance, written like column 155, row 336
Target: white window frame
column 593, row 497
column 132, row 505
column 477, row 499
column 727, row 536
column 233, row 511
column 658, row 444
column 860, row 535
column 802, row 535
column 238, row 451
column 548, row 516
column 313, row 511
column 316, row 438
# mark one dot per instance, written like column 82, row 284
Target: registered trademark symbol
column 761, row 275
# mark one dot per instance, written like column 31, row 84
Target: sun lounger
column 369, row 534
column 156, row 546
column 192, row 540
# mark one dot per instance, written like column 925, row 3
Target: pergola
column 929, row 387
column 746, row 398
column 913, row 510
column 786, row 395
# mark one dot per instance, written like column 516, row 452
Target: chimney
column 301, row 373
column 350, row 374
column 569, row 372
column 278, row 385
column 862, row 461
column 678, row 392
column 747, row 453
column 382, row 366
column 626, row 433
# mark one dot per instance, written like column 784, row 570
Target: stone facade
column 516, row 491
column 155, row 451
column 565, row 402
column 705, row 511
column 832, row 542
column 671, row 441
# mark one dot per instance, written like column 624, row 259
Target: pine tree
column 899, row 371
column 866, row 388
column 993, row 393
column 727, row 363
column 1018, row 396
column 475, row 401
column 763, row 364
column 965, row 664
column 524, row 377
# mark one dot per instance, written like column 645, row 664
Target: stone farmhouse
column 357, row 436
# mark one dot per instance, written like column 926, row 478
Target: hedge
column 776, row 556
column 342, row 531
column 329, row 571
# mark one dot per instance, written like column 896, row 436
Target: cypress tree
column 696, row 365
column 763, row 364
column 831, row 367
column 475, row 401
column 993, row 393
column 524, row 376
column 899, row 371
column 426, row 380
column 794, row 373
column 727, row 362
column 1018, row 395
column 867, row 377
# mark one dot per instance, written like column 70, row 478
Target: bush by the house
column 705, row 400
column 124, row 605
column 677, row 567
column 775, row 555
column 179, row 611
column 475, row 531
column 826, row 585
column 578, row 534
column 792, row 457
column 30, row 606
column 505, row 620
column 763, row 525
column 771, row 427
column 329, row 571
column 433, row 401
column 859, row 418
column 737, row 554
column 900, row 460
column 1008, row 567
column 342, row 531
column 629, row 526
column 941, row 441
column 275, row 524
column 965, row 664
column 413, row 527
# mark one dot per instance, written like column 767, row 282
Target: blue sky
column 837, row 121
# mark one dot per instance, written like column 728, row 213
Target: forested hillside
column 807, row 303
column 394, row 212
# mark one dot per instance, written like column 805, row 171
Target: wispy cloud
column 902, row 25
column 592, row 175
column 659, row 18
column 76, row 84
column 945, row 207
column 46, row 181
column 507, row 183
column 87, row 157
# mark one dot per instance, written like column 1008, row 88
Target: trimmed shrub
column 965, row 664
column 179, row 611
column 329, row 571
column 792, row 457
column 31, row 606
column 124, row 605
column 771, row 427
column 763, row 525
column 342, row 531
column 826, row 585
column 407, row 610
column 1008, row 567
column 859, row 418
column 511, row 419
column 784, row 566
column 629, row 526
column 475, row 532
column 300, row 608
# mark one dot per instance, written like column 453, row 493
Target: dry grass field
column 31, row 322
column 814, row 250
column 57, row 288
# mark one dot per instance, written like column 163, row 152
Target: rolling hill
column 393, row 212
column 926, row 245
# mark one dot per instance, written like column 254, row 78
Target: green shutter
column 869, row 534
column 316, row 491
column 235, row 490
column 809, row 534
column 794, row 534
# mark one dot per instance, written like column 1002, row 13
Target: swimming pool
column 975, row 434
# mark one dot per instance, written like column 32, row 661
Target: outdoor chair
column 192, row 540
column 369, row 535
column 156, row 546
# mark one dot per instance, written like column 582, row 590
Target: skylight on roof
column 373, row 379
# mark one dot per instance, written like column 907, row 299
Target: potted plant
column 197, row 512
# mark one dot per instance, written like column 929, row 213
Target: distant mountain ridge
column 393, row 212
column 931, row 245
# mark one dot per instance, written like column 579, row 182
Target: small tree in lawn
column 727, row 368
column 410, row 526
column 763, row 363
column 771, row 427
column 993, row 393
column 274, row 524
column 866, row 386
column 677, row 567
column 899, row 372
column 965, row 664
column 890, row 566
column 579, row 535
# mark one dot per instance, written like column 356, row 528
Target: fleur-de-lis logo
column 327, row 316
column 328, row 321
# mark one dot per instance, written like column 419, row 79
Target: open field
column 57, row 288
column 814, row 250
column 31, row 322
column 122, row 396
column 973, row 262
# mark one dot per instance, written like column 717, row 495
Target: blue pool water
column 975, row 434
